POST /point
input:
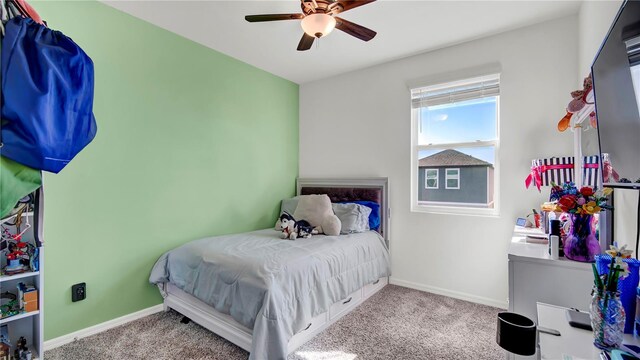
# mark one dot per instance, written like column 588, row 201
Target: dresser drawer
column 374, row 286
column 343, row 305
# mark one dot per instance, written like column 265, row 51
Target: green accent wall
column 191, row 143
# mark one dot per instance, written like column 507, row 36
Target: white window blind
column 456, row 92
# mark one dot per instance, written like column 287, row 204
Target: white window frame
column 444, row 208
column 447, row 178
column 437, row 179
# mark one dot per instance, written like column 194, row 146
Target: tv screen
column 616, row 85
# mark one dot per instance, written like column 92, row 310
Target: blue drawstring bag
column 47, row 90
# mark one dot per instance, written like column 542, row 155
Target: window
column 431, row 179
column 455, row 130
column 452, row 180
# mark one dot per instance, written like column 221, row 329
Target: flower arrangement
column 585, row 201
column 581, row 242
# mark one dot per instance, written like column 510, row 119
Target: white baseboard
column 450, row 293
column 92, row 330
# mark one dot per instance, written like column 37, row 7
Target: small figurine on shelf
column 22, row 350
column 17, row 258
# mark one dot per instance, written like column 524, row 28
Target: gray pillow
column 354, row 217
column 289, row 205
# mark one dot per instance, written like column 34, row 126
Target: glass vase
column 581, row 243
column 607, row 319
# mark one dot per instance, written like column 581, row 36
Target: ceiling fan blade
column 306, row 42
column 345, row 5
column 356, row 30
column 273, row 17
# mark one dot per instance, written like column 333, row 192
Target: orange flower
column 591, row 208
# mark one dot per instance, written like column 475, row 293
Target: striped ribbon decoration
column 590, row 171
column 559, row 170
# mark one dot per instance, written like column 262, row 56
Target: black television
column 616, row 86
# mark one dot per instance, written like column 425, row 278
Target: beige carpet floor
column 396, row 323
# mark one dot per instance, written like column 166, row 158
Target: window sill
column 453, row 210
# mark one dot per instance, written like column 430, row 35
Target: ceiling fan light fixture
column 318, row 25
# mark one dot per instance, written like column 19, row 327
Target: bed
column 269, row 296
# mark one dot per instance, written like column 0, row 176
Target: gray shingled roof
column 451, row 157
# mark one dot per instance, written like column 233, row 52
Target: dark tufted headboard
column 370, row 189
column 345, row 194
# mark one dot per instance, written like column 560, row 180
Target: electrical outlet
column 78, row 292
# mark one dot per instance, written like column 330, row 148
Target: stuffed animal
column 578, row 103
column 292, row 229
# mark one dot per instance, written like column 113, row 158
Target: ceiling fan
column 319, row 18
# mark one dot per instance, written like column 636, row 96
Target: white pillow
column 313, row 208
column 353, row 217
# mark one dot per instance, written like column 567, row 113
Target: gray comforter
column 270, row 285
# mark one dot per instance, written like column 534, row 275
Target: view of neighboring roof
column 451, row 157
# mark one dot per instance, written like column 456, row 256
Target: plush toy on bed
column 315, row 209
column 292, row 229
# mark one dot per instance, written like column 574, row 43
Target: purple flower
column 580, row 201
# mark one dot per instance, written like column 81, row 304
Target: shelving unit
column 27, row 274
column 19, row 316
column 29, row 325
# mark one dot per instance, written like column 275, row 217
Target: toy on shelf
column 9, row 305
column 28, row 296
column 22, row 351
column 21, row 256
column 17, row 258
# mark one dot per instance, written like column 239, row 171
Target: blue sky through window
column 458, row 122
column 466, row 121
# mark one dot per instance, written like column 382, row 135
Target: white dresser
column 534, row 277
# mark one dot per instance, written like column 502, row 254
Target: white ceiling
column 404, row 28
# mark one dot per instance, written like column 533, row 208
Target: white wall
column 595, row 18
column 358, row 124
